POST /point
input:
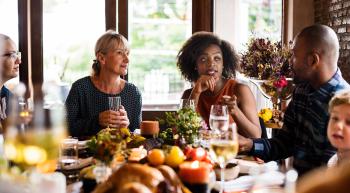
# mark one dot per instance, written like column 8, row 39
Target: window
column 258, row 18
column 9, row 26
column 157, row 30
column 69, row 37
column 250, row 18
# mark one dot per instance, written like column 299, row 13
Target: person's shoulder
column 186, row 94
column 82, row 84
column 5, row 91
column 82, row 81
column 302, row 88
column 131, row 87
column 239, row 87
column 332, row 162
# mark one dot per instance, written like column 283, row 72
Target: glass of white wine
column 224, row 141
column 36, row 147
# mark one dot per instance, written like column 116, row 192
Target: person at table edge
column 304, row 133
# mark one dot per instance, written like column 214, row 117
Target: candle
column 149, row 129
column 194, row 172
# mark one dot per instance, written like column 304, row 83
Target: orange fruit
column 156, row 157
column 175, row 157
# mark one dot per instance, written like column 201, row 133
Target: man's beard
column 297, row 80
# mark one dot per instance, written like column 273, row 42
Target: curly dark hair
column 193, row 48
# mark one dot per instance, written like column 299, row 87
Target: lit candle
column 149, row 129
column 194, row 172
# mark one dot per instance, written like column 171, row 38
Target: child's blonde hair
column 340, row 98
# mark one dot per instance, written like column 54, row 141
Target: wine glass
column 224, row 141
column 187, row 103
column 219, row 118
column 37, row 146
column 25, row 112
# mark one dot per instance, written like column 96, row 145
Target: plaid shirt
column 304, row 132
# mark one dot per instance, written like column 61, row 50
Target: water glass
column 219, row 118
column 68, row 153
column 187, row 103
column 114, row 103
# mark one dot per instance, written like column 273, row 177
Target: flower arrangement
column 279, row 89
column 183, row 125
column 110, row 141
column 265, row 60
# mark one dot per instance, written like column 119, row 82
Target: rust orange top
column 205, row 101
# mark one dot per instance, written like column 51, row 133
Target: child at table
column 338, row 131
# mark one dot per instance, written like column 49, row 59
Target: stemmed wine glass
column 25, row 112
column 187, row 103
column 224, row 141
column 36, row 147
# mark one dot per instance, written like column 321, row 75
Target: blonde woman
column 87, row 103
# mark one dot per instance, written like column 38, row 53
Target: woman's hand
column 204, row 83
column 231, row 103
column 114, row 119
column 122, row 120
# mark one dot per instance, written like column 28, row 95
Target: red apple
column 198, row 154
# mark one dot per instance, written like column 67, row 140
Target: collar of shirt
column 326, row 90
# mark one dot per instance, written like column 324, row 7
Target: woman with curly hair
column 210, row 64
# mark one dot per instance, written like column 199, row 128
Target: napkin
column 242, row 183
column 82, row 163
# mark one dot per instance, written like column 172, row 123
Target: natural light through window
column 70, row 31
column 157, row 30
column 9, row 26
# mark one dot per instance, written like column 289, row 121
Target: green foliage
column 184, row 123
column 110, row 141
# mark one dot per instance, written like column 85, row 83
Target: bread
column 146, row 175
column 171, row 177
column 134, row 187
column 138, row 178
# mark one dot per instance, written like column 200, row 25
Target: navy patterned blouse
column 85, row 102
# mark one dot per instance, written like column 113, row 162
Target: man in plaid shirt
column 317, row 78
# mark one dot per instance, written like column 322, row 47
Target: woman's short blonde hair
column 340, row 98
column 3, row 39
column 108, row 41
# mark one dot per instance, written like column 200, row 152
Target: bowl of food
column 231, row 171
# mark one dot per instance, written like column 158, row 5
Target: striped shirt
column 304, row 132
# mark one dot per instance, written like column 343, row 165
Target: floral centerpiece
column 110, row 141
column 267, row 65
column 183, row 127
column 265, row 60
